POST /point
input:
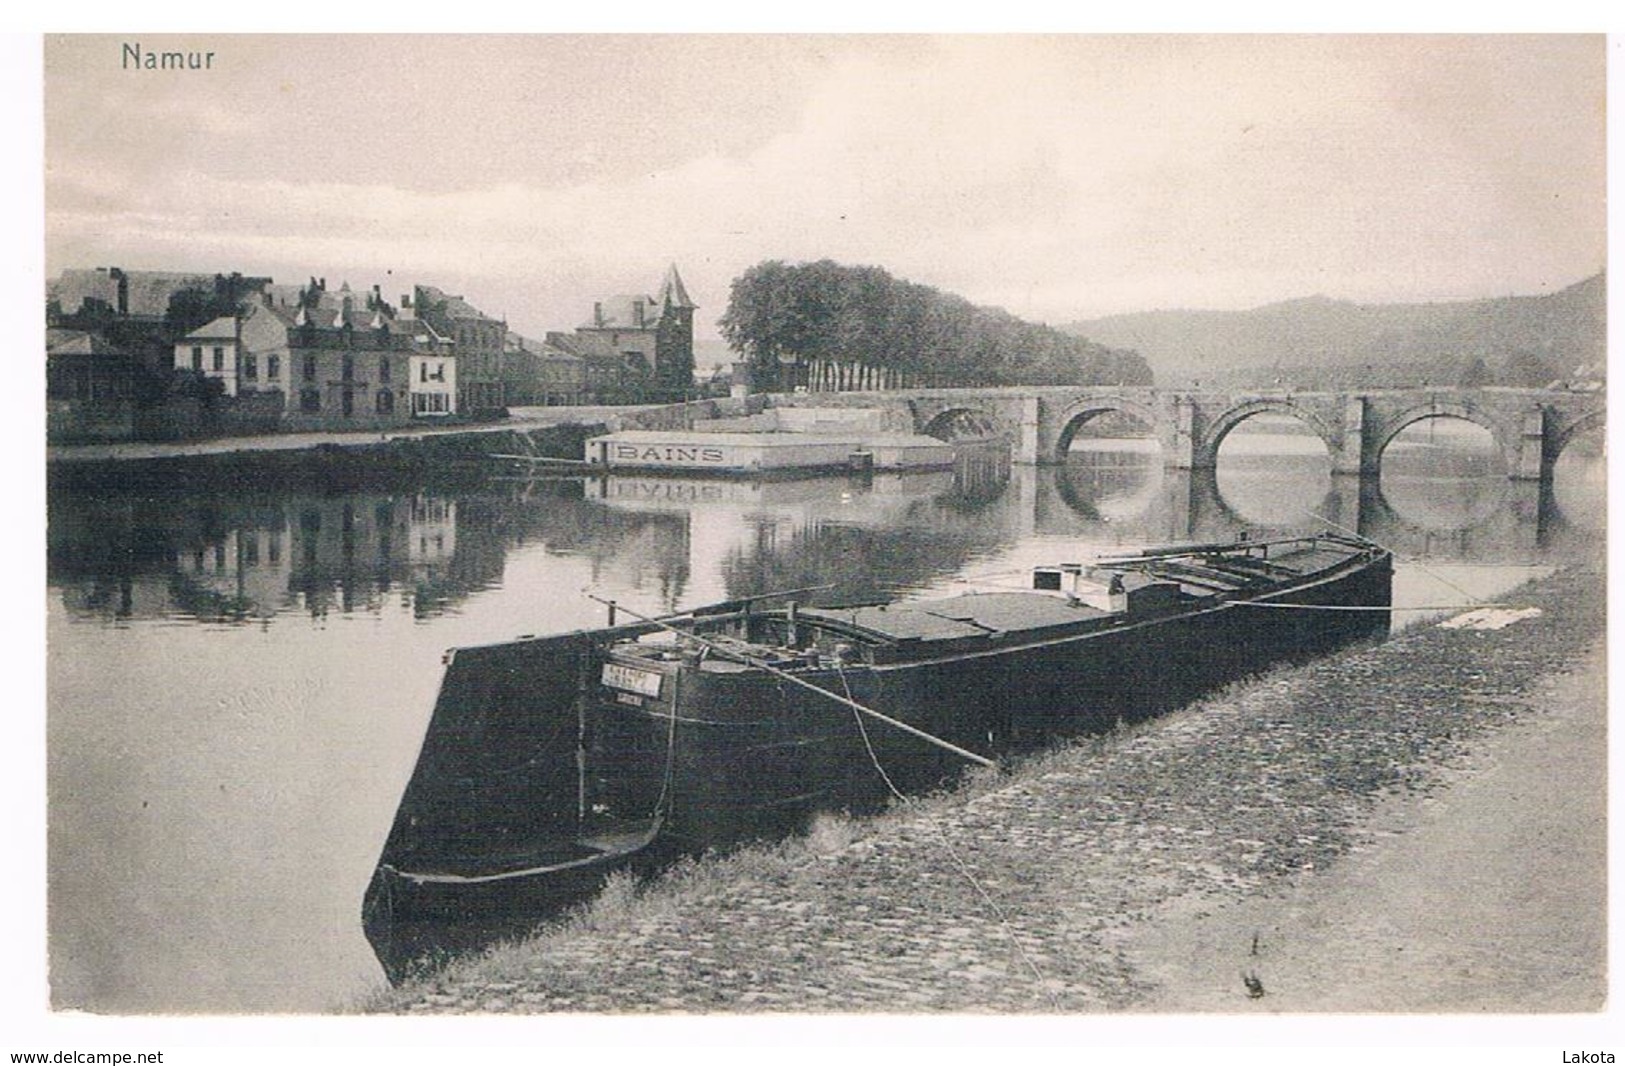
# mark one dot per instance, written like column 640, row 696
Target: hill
column 1319, row 342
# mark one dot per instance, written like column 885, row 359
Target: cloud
column 1059, row 177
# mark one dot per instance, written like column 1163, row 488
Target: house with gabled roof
column 353, row 363
column 480, row 342
column 646, row 342
column 90, row 386
column 211, row 350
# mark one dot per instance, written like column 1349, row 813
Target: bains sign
column 665, row 453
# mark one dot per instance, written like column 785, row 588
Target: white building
column 246, row 353
column 212, row 350
column 433, row 384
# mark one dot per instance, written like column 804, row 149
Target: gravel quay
column 1191, row 863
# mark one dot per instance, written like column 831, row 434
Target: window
column 383, row 369
column 197, row 358
column 251, row 367
column 386, row 402
column 310, row 371
column 349, row 369
column 310, row 400
column 219, row 359
column 430, row 403
column 273, row 368
column 347, row 404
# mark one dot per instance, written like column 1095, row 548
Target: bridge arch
column 1504, row 438
column 1075, row 414
column 1560, row 439
column 1208, row 448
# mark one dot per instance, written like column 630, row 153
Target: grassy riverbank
column 1062, row 887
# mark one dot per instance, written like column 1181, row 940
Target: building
column 432, row 383
column 480, row 344
column 360, row 366
column 212, row 350
column 262, row 346
column 638, row 348
column 606, row 375
column 145, row 311
column 125, row 293
column 90, row 387
column 542, row 374
column 83, row 366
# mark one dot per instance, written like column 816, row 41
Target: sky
column 1058, row 177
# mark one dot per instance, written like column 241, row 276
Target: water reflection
column 1269, row 465
column 179, row 556
column 1580, row 482
column 218, row 559
column 208, row 558
column 278, row 653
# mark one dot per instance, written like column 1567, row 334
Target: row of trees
column 784, row 316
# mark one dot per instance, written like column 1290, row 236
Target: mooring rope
column 1352, row 607
column 1472, row 601
column 947, row 849
column 671, row 757
column 740, row 656
column 864, row 732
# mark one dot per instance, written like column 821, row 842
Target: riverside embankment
column 419, row 453
column 431, row 455
column 1304, row 830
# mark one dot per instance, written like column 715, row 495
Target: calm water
column 238, row 684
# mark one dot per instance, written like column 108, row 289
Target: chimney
column 597, row 314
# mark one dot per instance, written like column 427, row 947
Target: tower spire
column 672, row 293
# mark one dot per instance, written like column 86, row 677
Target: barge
column 551, row 762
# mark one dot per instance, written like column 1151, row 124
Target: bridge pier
column 1530, row 462
column 1025, row 447
column 1346, row 502
column 1179, row 435
column 1355, row 451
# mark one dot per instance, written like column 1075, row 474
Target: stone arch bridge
column 1530, row 427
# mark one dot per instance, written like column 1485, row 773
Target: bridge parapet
column 1530, row 427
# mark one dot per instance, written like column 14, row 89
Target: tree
column 782, row 316
column 190, row 308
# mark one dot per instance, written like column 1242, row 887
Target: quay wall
column 335, row 461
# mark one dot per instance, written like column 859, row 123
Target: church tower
column 674, row 339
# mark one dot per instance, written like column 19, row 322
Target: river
column 238, row 681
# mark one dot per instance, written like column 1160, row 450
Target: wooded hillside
column 1323, row 343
